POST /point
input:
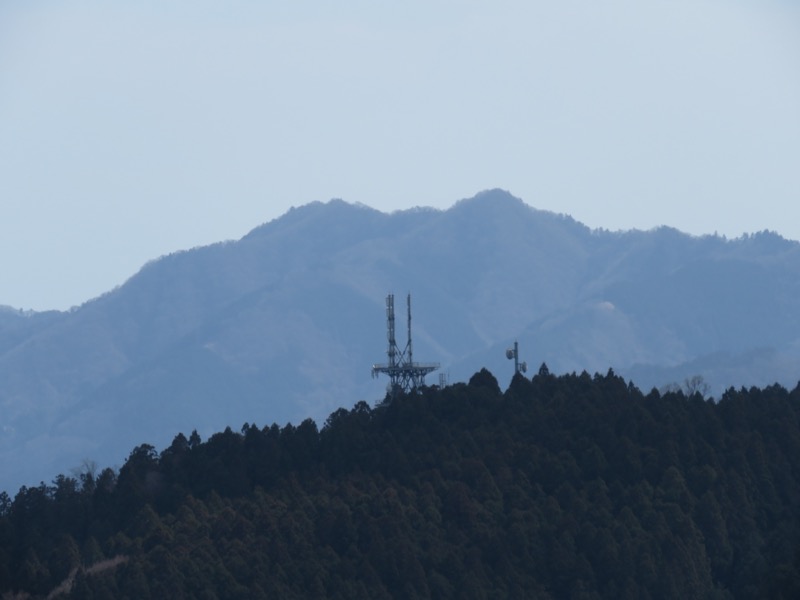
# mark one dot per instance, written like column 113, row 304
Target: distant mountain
column 286, row 322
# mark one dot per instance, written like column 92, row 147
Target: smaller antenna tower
column 519, row 367
column 405, row 375
column 443, row 380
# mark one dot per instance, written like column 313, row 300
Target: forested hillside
column 562, row 487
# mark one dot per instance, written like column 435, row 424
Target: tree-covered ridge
column 562, row 487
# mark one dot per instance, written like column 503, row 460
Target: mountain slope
column 285, row 323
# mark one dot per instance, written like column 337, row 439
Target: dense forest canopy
column 572, row 486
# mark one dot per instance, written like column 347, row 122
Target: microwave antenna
column 513, row 352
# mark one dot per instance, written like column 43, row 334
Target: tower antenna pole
column 392, row 352
column 516, row 356
column 410, row 357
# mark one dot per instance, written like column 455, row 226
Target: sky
column 129, row 130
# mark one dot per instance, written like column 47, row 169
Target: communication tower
column 519, row 367
column 443, row 380
column 405, row 375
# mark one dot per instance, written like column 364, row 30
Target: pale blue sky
column 130, row 130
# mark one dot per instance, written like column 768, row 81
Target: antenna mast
column 405, row 375
column 513, row 352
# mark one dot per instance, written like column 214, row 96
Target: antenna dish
column 510, row 353
column 523, row 367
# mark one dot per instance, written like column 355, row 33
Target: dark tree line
column 561, row 487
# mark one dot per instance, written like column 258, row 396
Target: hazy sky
column 132, row 129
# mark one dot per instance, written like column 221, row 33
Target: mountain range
column 286, row 322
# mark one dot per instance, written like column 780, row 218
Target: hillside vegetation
column 562, row 487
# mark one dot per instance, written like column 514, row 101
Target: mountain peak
column 316, row 211
column 331, row 207
column 491, row 199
